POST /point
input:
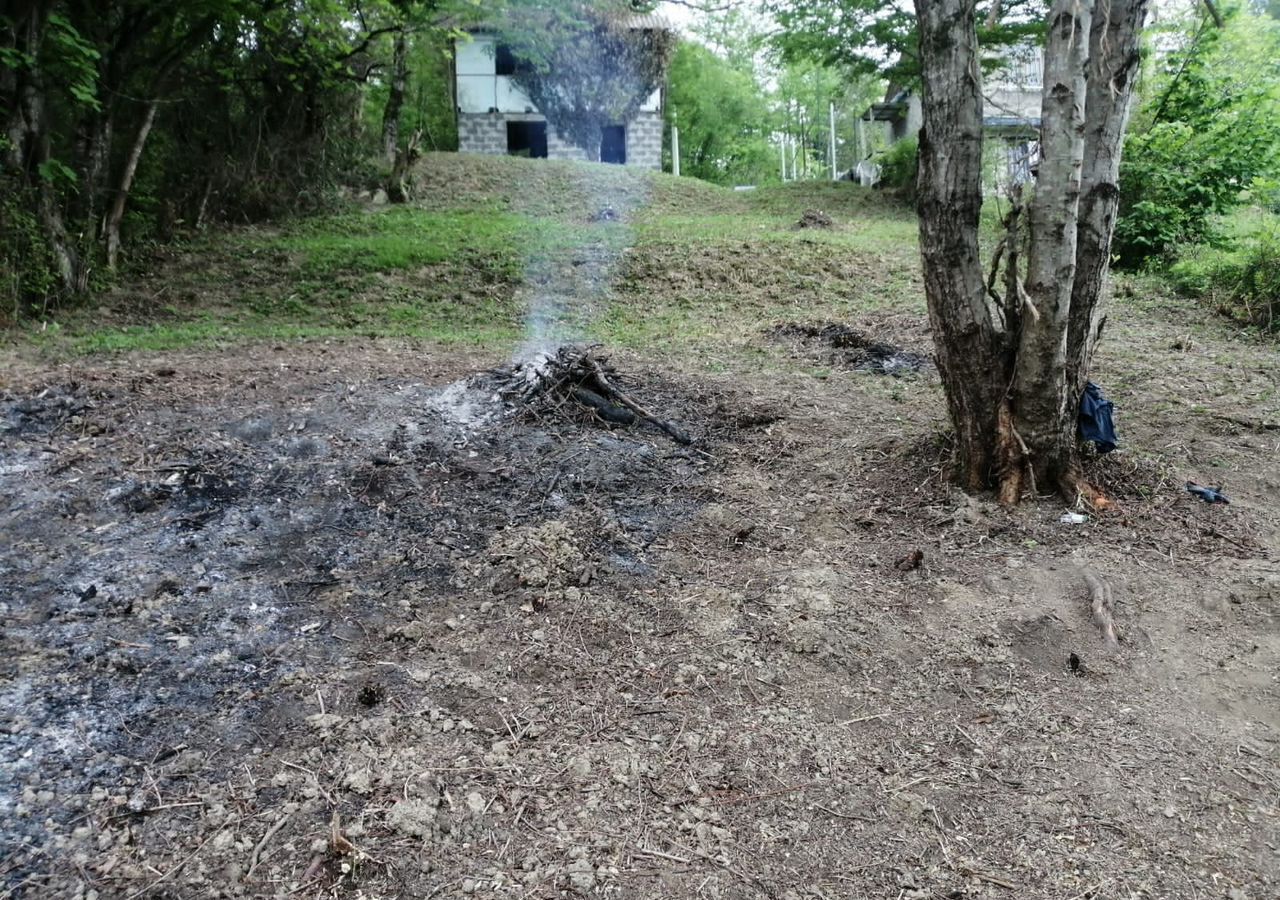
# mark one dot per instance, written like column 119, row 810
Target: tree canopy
column 130, row 119
column 874, row 37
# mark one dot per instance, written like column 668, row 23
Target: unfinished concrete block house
column 495, row 117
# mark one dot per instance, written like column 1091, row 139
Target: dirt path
column 278, row 625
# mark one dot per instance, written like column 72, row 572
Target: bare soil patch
column 317, row 621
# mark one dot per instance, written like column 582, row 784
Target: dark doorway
column 527, row 139
column 613, row 144
column 504, row 61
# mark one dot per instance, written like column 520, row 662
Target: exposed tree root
column 1100, row 601
column 1074, row 488
column 1013, row 459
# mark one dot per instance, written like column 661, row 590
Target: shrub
column 1205, row 140
column 28, row 278
column 1242, row 282
column 898, row 166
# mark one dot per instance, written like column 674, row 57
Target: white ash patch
column 466, row 405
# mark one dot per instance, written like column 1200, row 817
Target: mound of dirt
column 815, row 218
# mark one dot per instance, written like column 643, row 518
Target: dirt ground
column 321, row 620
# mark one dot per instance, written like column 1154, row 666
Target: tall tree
column 1012, row 366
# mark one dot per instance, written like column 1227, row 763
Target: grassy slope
column 685, row 265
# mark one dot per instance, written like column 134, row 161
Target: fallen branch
column 574, row 373
column 1100, row 601
column 609, row 390
column 262, row 844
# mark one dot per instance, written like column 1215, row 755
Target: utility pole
column 675, row 149
column 832, row 135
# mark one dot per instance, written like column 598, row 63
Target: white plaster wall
column 510, row 98
column 480, row 89
column 475, row 56
column 1005, row 102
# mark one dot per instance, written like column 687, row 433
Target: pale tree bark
column 1013, row 367
column 1041, row 404
column 1113, row 69
column 116, row 216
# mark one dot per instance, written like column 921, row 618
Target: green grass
column 691, row 265
column 404, row 238
column 217, row 332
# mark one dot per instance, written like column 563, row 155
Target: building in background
column 494, row 115
column 1010, row 117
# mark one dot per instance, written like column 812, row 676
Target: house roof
column 648, row 22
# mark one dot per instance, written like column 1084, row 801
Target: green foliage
column 76, row 60
column 1241, row 279
column 259, row 112
column 428, row 105
column 871, row 37
column 899, row 164
column 27, row 275
column 1209, row 129
column 57, row 173
column 725, row 122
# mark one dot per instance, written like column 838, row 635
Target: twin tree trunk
column 395, row 96
column 1013, row 367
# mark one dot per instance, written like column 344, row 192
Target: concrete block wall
column 482, row 133
column 644, row 141
column 487, row 133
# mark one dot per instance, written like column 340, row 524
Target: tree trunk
column 93, row 159
column 116, row 215
column 1113, row 68
column 395, row 97
column 949, row 199
column 1044, row 416
column 1013, row 367
column 24, row 95
column 398, row 189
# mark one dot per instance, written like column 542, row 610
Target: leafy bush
column 1243, row 282
column 898, row 166
column 1206, row 136
column 27, row 274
